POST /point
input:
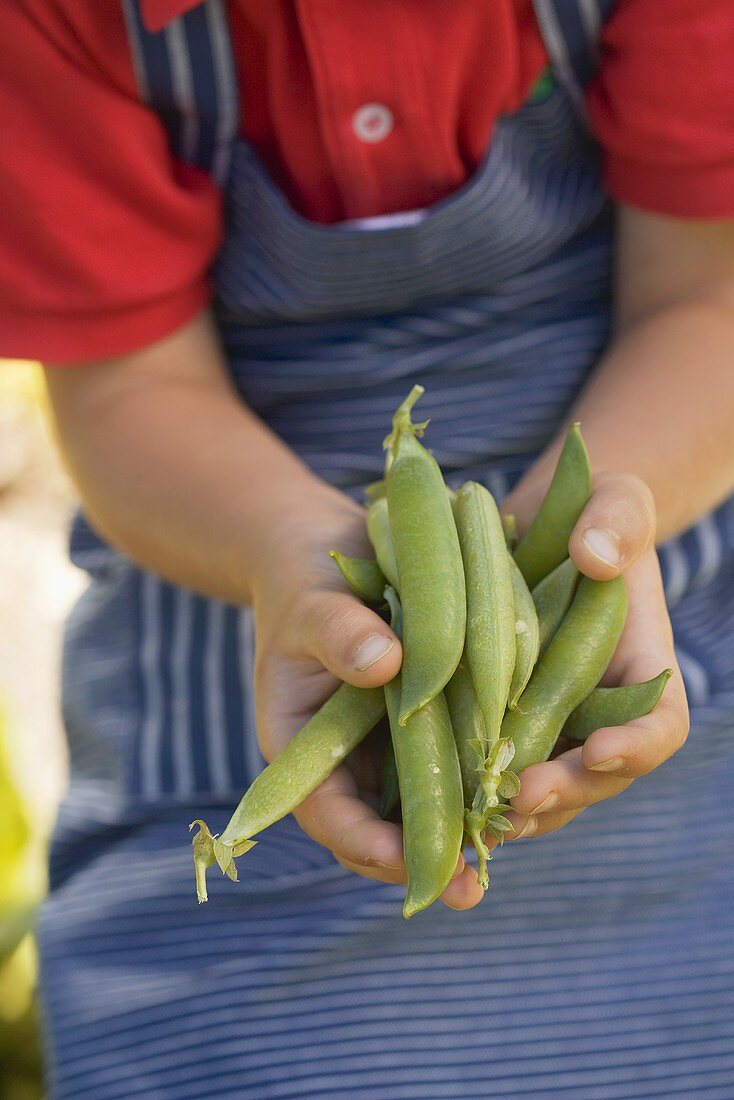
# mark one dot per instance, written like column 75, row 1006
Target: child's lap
column 599, row 965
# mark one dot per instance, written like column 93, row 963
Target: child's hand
column 311, row 634
column 614, row 534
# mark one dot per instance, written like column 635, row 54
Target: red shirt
column 106, row 241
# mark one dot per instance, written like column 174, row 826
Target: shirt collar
column 159, row 13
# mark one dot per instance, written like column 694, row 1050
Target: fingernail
column 602, row 545
column 548, row 803
column 372, row 650
column 531, row 826
column 615, row 764
column 369, row 862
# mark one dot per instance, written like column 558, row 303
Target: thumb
column 350, row 640
column 615, row 527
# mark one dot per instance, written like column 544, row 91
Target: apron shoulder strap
column 571, row 30
column 186, row 73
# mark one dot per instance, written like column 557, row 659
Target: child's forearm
column 175, row 471
column 661, row 405
column 661, row 402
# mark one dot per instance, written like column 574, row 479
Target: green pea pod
column 429, row 779
column 430, row 571
column 468, row 725
column 430, row 796
column 364, row 577
column 615, row 706
column 389, row 789
column 552, row 599
column 571, row 667
column 545, row 543
column 490, row 621
column 306, row 761
column 527, row 635
column 375, row 490
column 509, row 524
column 380, row 535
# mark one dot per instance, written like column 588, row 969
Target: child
column 238, row 235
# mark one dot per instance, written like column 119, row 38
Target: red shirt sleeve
column 662, row 106
column 105, row 241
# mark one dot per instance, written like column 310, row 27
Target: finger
column 526, row 826
column 646, row 646
column 463, row 892
column 389, row 875
column 615, row 527
column 564, row 784
column 335, row 817
column 349, row 639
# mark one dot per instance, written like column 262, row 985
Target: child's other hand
column 615, row 534
column 313, row 633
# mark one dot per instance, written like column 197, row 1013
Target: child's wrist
column 291, row 535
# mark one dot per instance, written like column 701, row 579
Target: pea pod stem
column 306, row 761
column 430, row 573
column 545, row 543
column 614, row 706
column 496, row 782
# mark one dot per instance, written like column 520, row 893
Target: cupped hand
column 614, row 534
column 312, row 634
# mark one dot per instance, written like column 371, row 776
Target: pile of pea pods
column 504, row 645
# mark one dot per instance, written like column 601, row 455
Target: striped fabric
column 600, row 966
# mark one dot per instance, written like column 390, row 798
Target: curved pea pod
column 571, row 667
column 545, row 543
column 615, row 706
column 527, row 635
column 306, row 761
column 552, row 599
column 468, row 725
column 364, row 577
column 490, row 609
column 431, row 797
column 429, row 780
column 389, row 789
column 380, row 535
column 429, row 566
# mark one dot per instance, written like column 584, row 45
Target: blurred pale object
column 22, row 883
column 38, row 585
column 22, row 395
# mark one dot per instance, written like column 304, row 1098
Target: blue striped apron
column 601, row 965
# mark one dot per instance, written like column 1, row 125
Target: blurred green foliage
column 21, row 885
